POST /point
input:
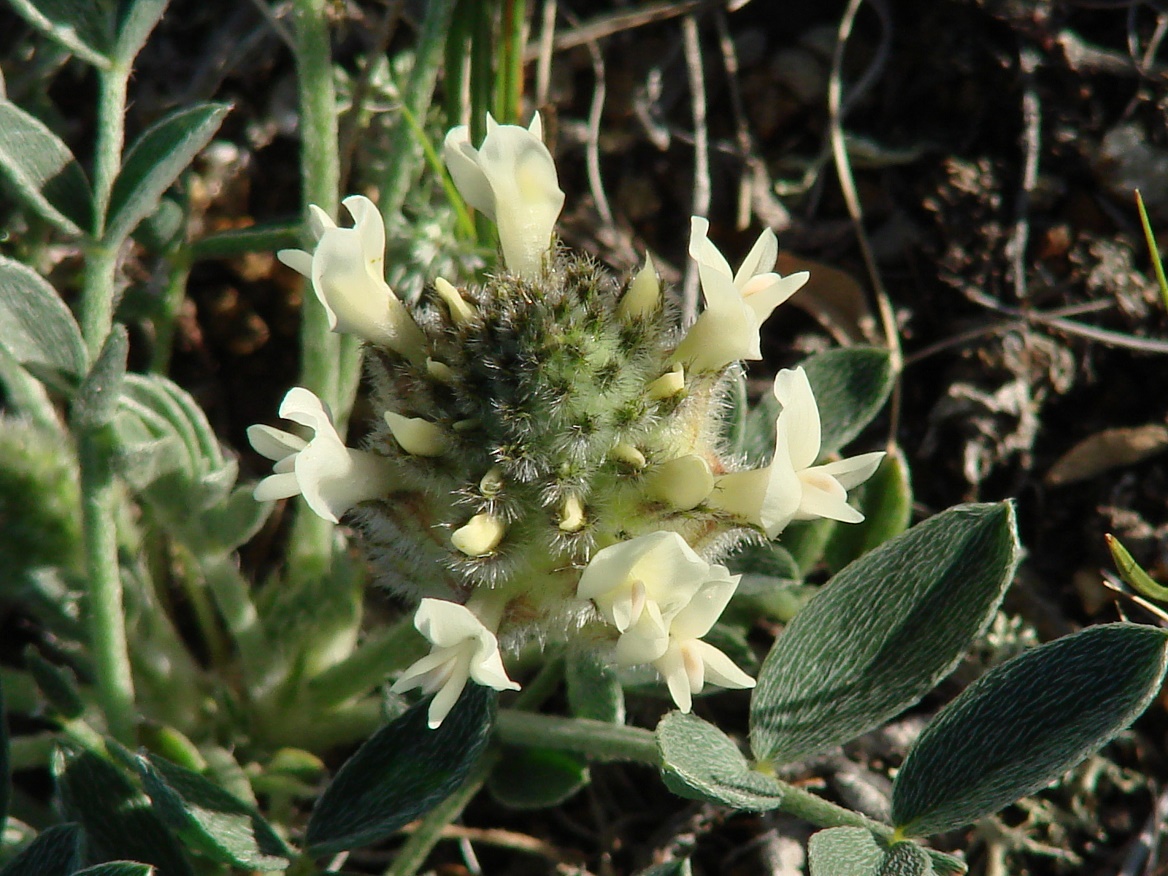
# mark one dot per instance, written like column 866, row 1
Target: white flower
column 512, row 179
column 687, row 662
column 347, row 274
column 791, row 487
column 663, row 598
column 331, row 477
column 463, row 648
column 736, row 304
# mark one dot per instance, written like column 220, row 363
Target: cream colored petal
column 274, row 444
column 703, row 251
column 334, row 478
column 643, row 297
column 671, row 665
column 799, row 419
column 701, row 613
column 720, row 336
column 462, row 161
column 319, row 221
column 681, row 483
column 720, row 669
column 448, row 694
column 461, row 311
column 767, row 291
column 572, row 517
column 416, row 436
column 784, row 491
column 760, row 260
column 298, row 260
column 823, row 496
column 370, row 228
column 486, row 668
column 480, row 536
column 359, row 303
column 669, row 384
column 445, row 623
column 428, row 673
column 742, row 493
column 301, row 406
column 277, row 486
column 854, row 470
column 645, row 641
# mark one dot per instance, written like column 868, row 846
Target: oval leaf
column 700, row 762
column 43, row 171
column 154, row 163
column 844, row 851
column 883, row 632
column 118, row 820
column 536, row 778
column 1025, row 723
column 210, row 820
column 36, row 327
column 82, row 26
column 400, row 773
column 55, row 852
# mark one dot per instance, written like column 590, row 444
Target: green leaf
column 118, row 820
column 883, row 632
column 400, row 773
column 844, row 851
column 210, row 820
column 536, row 778
column 135, row 21
column 851, row 385
column 55, row 852
column 36, row 327
column 700, row 762
column 594, row 691
column 56, row 684
column 1025, row 723
column 84, row 27
column 1153, row 251
column 117, row 868
column 853, row 851
column 154, row 163
column 886, row 500
column 43, row 172
column 97, row 398
column 1133, row 573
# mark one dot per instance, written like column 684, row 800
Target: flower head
column 347, row 274
column 737, row 304
column 462, row 648
column 512, row 179
column 331, row 477
column 791, row 487
column 663, row 598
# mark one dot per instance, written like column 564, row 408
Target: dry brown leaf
column 1103, row 451
column 834, row 298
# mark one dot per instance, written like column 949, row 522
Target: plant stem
column 597, row 739
column 107, row 626
column 417, row 848
column 99, row 292
column 329, row 362
column 106, row 618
